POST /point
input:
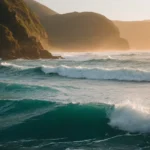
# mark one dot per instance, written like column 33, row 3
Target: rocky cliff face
column 9, row 46
column 21, row 34
column 83, row 31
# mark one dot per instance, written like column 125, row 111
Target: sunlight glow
column 113, row 9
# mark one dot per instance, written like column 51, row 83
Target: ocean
column 86, row 101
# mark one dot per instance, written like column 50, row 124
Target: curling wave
column 24, row 120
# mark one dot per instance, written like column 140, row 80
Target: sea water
column 86, row 101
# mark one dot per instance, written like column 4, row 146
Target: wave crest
column 124, row 74
column 79, row 72
column 131, row 117
column 72, row 121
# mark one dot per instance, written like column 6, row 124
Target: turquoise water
column 86, row 101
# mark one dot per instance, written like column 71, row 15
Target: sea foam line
column 125, row 74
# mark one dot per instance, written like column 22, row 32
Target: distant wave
column 114, row 60
column 10, row 65
column 120, row 74
column 86, row 56
column 108, row 59
column 124, row 74
column 71, row 121
column 13, row 69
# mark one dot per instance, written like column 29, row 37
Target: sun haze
column 113, row 9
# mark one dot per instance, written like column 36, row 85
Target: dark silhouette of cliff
column 83, row 31
column 21, row 34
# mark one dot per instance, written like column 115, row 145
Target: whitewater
column 93, row 100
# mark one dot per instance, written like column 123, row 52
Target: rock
column 45, row 54
column 9, row 47
column 21, row 33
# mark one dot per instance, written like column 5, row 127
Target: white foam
column 125, row 74
column 131, row 117
column 11, row 65
column 18, row 67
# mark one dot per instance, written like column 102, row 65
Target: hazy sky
column 113, row 9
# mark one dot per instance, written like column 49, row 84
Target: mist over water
column 86, row 101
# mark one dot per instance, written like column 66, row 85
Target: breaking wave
column 124, row 74
column 121, row 74
column 24, row 119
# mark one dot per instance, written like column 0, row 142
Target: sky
column 113, row 9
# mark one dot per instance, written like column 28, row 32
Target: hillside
column 136, row 32
column 21, row 34
column 39, row 9
column 83, row 31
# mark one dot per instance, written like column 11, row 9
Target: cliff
column 79, row 31
column 21, row 34
column 8, row 42
column 136, row 32
column 83, row 31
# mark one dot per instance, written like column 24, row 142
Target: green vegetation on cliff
column 21, row 30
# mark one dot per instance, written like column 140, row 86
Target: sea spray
column 71, row 121
column 131, row 117
column 85, row 101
